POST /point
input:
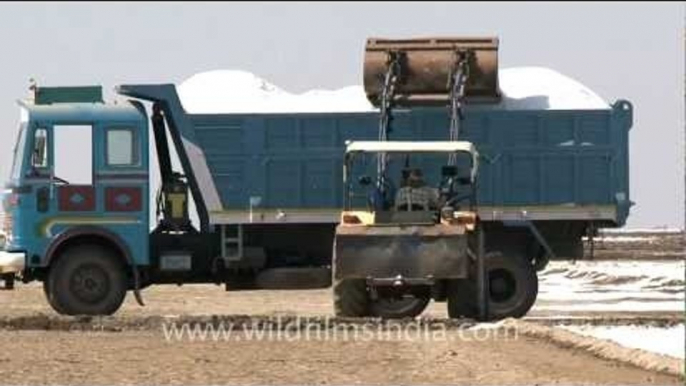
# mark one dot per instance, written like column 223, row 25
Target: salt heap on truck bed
column 237, row 91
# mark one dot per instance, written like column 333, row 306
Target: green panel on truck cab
column 82, row 94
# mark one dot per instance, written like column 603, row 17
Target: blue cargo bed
column 535, row 164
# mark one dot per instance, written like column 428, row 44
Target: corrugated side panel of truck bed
column 529, row 158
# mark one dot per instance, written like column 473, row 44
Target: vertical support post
column 591, row 239
column 482, row 282
column 223, row 238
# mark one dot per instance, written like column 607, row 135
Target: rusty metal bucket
column 426, row 67
column 411, row 251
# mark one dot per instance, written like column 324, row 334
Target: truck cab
column 79, row 187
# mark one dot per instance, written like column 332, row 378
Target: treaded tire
column 513, row 303
column 410, row 308
column 9, row 281
column 86, row 280
column 350, row 298
column 49, row 298
column 459, row 299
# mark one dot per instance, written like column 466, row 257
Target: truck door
column 95, row 176
column 60, row 174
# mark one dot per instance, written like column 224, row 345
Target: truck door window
column 18, row 152
column 39, row 157
column 74, row 154
column 121, row 148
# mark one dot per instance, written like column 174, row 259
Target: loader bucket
column 411, row 251
column 426, row 67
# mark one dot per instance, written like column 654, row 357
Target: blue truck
column 268, row 190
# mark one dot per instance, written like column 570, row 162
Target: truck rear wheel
column 86, row 280
column 513, row 285
column 350, row 298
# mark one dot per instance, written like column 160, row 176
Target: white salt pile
column 538, row 88
column 235, row 91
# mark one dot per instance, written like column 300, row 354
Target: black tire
column 9, row 281
column 350, row 298
column 459, row 299
column 86, row 280
column 49, row 298
column 407, row 307
column 513, row 287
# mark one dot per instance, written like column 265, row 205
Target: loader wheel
column 513, row 285
column 350, row 298
column 86, row 280
column 392, row 308
column 459, row 299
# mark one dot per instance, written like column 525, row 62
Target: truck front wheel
column 86, row 280
column 49, row 297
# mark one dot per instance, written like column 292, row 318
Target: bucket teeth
column 426, row 67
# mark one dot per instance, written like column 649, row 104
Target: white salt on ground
column 623, row 285
column 235, row 91
column 661, row 340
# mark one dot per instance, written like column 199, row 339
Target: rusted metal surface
column 426, row 68
column 407, row 229
column 437, row 252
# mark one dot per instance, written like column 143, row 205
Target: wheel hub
column 502, row 285
column 89, row 283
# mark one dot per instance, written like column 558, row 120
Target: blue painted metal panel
column 529, row 157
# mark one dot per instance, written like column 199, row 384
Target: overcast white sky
column 631, row 51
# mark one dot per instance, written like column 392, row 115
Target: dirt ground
column 34, row 355
column 58, row 357
column 139, row 345
column 203, row 299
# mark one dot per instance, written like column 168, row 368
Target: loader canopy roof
column 410, row 147
column 447, row 147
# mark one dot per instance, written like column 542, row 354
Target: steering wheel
column 458, row 198
column 380, row 201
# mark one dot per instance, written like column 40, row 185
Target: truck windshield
column 18, row 152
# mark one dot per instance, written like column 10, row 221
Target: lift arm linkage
column 391, row 78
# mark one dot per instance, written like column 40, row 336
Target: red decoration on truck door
column 76, row 198
column 122, row 199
